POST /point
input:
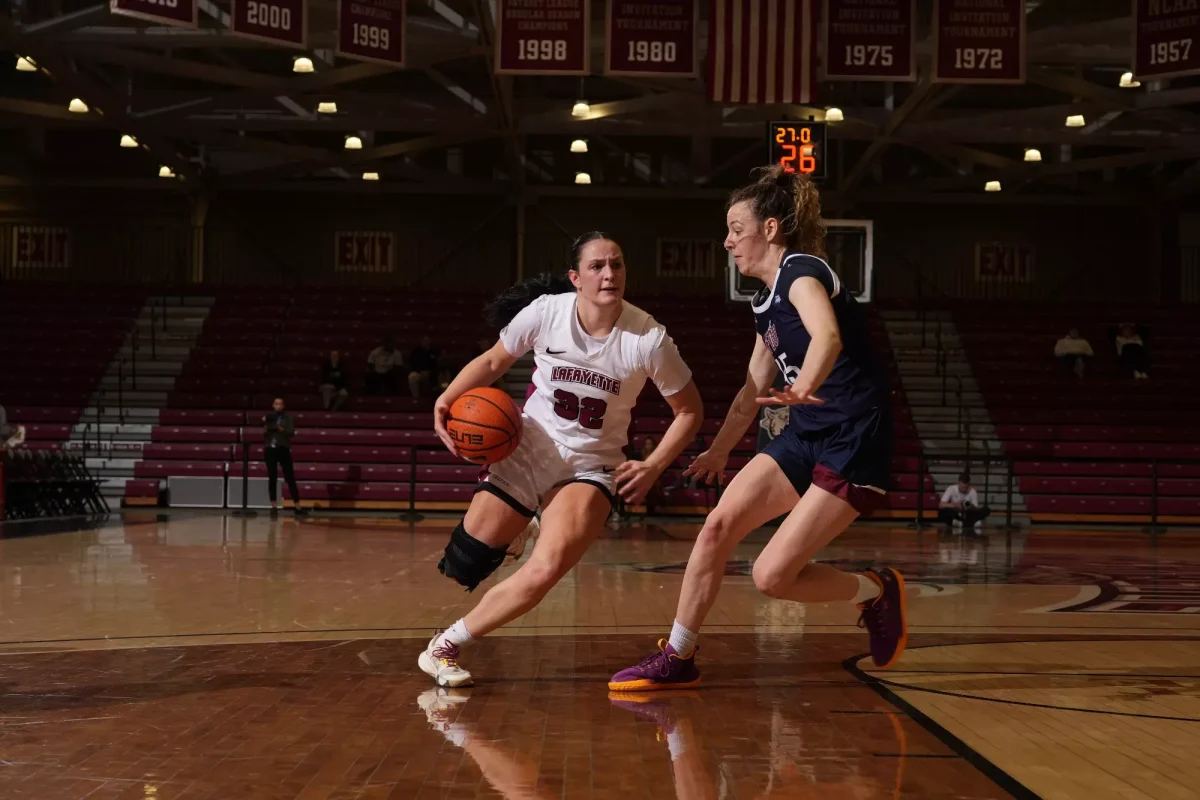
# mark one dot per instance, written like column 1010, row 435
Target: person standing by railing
column 279, row 428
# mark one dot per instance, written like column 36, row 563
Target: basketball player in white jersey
column 594, row 353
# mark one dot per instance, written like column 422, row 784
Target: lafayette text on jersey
column 585, row 388
column 857, row 382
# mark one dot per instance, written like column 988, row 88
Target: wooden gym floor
column 203, row 656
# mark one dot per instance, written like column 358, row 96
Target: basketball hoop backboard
column 850, row 246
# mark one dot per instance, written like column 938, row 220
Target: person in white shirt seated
column 1073, row 352
column 11, row 436
column 960, row 505
column 1132, row 353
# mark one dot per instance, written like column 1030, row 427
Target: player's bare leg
column 784, row 570
column 758, row 494
column 572, row 519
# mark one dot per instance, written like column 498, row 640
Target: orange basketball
column 485, row 424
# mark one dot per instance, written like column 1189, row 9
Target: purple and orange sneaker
column 666, row 669
column 647, row 707
column 885, row 617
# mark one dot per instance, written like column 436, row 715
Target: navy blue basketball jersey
column 858, row 382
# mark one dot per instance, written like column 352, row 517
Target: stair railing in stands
column 99, row 412
column 121, row 391
column 411, row 515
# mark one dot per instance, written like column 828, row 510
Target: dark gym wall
column 456, row 241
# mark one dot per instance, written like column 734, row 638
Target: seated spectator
column 423, row 366
column 11, row 436
column 960, row 506
column 383, row 370
column 1132, row 353
column 333, row 383
column 1073, row 352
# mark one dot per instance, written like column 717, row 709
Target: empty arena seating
column 1089, row 448
column 255, row 346
column 55, row 344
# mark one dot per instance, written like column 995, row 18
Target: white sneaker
column 439, row 660
column 517, row 548
column 441, row 708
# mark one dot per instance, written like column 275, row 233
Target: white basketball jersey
column 585, row 388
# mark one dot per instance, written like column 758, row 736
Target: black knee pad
column 468, row 560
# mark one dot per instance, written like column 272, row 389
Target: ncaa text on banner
column 762, row 51
column 543, row 37
column 178, row 13
column 276, row 21
column 979, row 41
column 1166, row 38
column 870, row 41
column 651, row 38
column 371, row 30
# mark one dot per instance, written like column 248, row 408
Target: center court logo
column 1122, row 584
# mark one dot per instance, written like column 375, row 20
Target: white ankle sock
column 867, row 590
column 676, row 743
column 683, row 640
column 456, row 634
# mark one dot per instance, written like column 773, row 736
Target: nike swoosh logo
column 608, row 469
column 554, row 352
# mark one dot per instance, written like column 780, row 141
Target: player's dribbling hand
column 634, row 480
column 708, row 467
column 791, row 396
column 441, row 407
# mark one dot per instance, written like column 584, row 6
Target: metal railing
column 965, row 461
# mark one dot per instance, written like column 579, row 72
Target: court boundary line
column 986, row 767
column 1067, row 634
column 1026, row 704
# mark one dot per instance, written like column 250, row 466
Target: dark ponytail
column 506, row 305
column 793, row 199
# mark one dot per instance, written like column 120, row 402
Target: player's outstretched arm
column 635, row 478
column 709, row 466
column 484, row 370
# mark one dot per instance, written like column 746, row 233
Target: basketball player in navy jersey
column 831, row 462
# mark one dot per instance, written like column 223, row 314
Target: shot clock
column 798, row 146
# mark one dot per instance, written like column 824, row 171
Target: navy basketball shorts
column 852, row 460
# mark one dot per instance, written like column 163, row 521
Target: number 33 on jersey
column 585, row 388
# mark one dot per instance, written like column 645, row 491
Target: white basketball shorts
column 540, row 465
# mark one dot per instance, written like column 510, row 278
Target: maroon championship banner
column 179, row 13
column 870, row 41
column 543, row 37
column 276, row 21
column 979, row 41
column 1166, row 39
column 649, row 38
column 371, row 30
